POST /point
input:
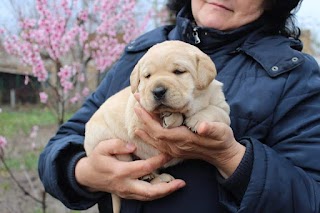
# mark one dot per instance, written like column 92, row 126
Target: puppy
column 176, row 81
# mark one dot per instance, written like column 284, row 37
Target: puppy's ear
column 206, row 71
column 135, row 78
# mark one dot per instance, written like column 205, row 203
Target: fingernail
column 182, row 184
column 130, row 146
column 137, row 96
column 137, row 132
column 202, row 129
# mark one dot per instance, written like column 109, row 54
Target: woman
column 266, row 162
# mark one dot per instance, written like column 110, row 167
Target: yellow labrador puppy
column 175, row 80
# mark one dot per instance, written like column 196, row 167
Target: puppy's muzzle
column 159, row 93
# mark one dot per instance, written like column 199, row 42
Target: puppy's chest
column 145, row 151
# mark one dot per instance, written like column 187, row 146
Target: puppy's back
column 108, row 121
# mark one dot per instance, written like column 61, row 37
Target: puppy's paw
column 192, row 123
column 162, row 178
column 149, row 177
column 170, row 120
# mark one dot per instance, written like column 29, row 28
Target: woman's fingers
column 140, row 168
column 143, row 135
column 144, row 191
column 212, row 129
column 133, row 188
column 137, row 96
column 115, row 147
column 102, row 171
column 154, row 128
column 220, row 132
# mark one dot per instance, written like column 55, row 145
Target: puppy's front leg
column 162, row 178
column 171, row 119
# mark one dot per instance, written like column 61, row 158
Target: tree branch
column 16, row 181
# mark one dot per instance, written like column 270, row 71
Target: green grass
column 29, row 160
column 16, row 125
column 24, row 119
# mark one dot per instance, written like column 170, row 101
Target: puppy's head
column 169, row 76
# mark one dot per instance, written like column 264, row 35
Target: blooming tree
column 59, row 40
column 64, row 36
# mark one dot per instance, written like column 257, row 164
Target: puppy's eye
column 147, row 75
column 178, row 72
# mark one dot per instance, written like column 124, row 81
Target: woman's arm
column 284, row 175
column 58, row 160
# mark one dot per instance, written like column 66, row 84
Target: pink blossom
column 83, row 15
column 43, row 97
column 83, row 35
column 65, row 34
column 81, row 77
column 85, row 91
column 75, row 99
column 65, row 6
column 3, row 142
column 67, row 85
column 94, row 44
column 65, row 72
column 27, row 23
column 34, row 132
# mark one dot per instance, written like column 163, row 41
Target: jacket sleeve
column 285, row 175
column 58, row 159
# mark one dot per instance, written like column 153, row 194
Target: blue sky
column 309, row 16
column 310, row 8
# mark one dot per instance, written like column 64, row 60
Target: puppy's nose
column 159, row 93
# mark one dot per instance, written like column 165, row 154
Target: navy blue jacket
column 274, row 93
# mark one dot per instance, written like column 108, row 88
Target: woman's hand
column 102, row 171
column 214, row 142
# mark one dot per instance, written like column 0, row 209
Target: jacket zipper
column 236, row 51
column 196, row 35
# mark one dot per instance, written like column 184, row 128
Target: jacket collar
column 250, row 40
column 208, row 39
column 285, row 57
column 148, row 39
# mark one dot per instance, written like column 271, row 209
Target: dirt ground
column 12, row 199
